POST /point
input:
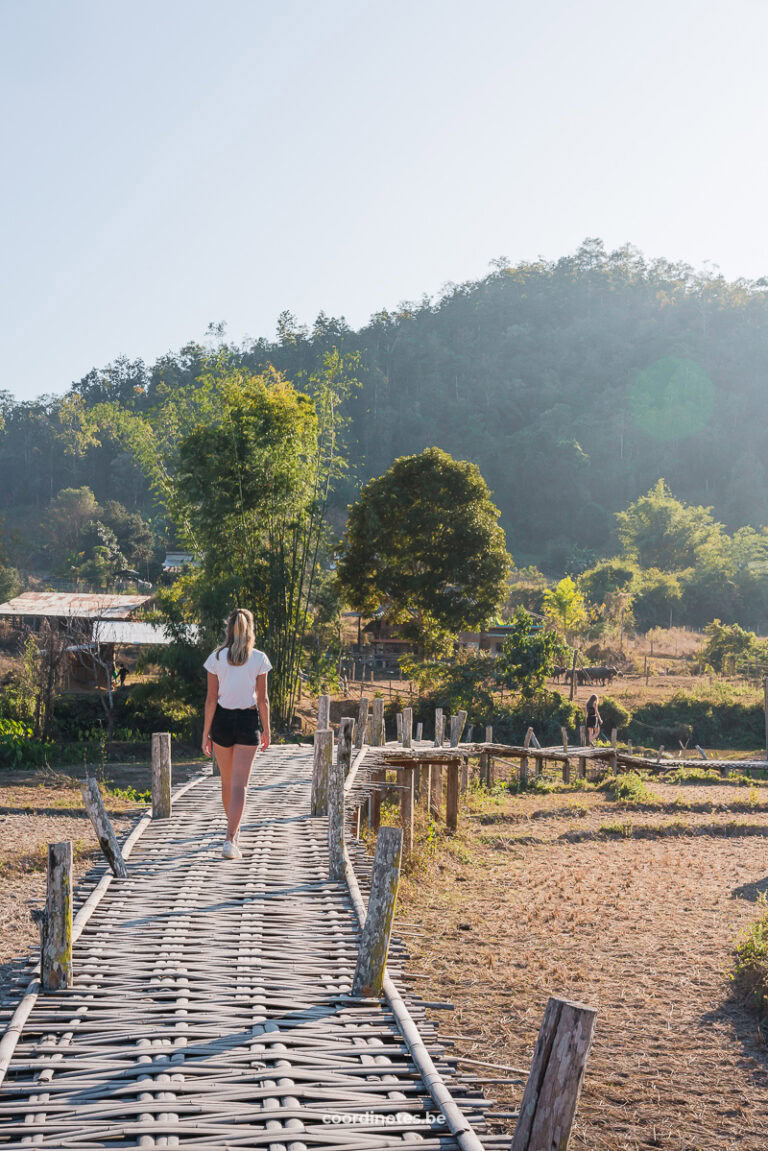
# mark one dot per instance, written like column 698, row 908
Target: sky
column 169, row 164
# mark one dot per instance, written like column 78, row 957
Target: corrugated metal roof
column 134, row 632
column 74, row 605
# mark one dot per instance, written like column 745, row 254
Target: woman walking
column 593, row 719
column 236, row 699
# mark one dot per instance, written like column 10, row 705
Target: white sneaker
column 230, row 850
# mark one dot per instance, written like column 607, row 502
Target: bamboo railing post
column 489, row 734
column 452, row 796
column 407, row 734
column 557, row 1071
column 436, row 789
column 566, row 762
column 419, row 732
column 407, row 803
column 362, row 722
column 439, row 727
column 344, row 749
column 336, row 813
column 524, row 760
column 102, row 825
column 323, row 713
column 377, row 722
column 321, row 761
column 377, row 779
column 56, row 934
column 161, row 775
column 399, row 726
column 377, row 930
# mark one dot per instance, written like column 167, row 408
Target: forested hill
column 574, row 385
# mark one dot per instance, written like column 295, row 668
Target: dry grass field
column 633, row 908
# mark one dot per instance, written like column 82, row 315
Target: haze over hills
column 574, row 385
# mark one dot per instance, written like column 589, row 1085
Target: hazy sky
column 170, row 163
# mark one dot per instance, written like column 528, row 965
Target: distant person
column 236, row 699
column 122, row 672
column 594, row 721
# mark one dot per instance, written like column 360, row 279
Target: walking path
column 211, row 1006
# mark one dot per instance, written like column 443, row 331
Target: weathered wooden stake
column 362, row 722
column 56, row 934
column 457, row 727
column 567, row 762
column 323, row 713
column 377, row 722
column 399, row 726
column 336, row 813
column 102, row 825
column 321, row 761
column 524, row 759
column 377, row 779
column 436, row 790
column 407, row 735
column 489, row 734
column 377, row 930
column 426, row 785
column 464, row 776
column 407, row 803
column 573, row 676
column 554, row 1083
column 484, row 768
column 452, row 796
column 161, row 775
column 419, row 732
column 344, row 749
column 614, row 759
column 582, row 736
column 439, row 727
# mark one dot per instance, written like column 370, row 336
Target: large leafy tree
column 662, row 532
column 564, row 606
column 424, row 541
column 528, row 655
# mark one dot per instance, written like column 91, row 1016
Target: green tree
column 424, row 540
column 70, row 510
column 657, row 599
column 728, row 644
column 564, row 606
column 528, row 655
column 661, row 532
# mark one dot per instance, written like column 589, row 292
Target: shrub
column 613, row 714
column 750, row 969
column 18, row 745
column 629, row 787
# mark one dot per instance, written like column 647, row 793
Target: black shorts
column 233, row 725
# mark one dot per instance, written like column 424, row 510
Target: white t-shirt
column 237, row 685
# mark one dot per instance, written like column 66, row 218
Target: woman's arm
column 211, row 699
column 262, row 699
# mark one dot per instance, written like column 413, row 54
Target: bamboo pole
column 407, row 733
column 336, row 773
column 344, row 748
column 439, row 727
column 419, row 732
column 323, row 712
column 377, row 722
column 362, row 722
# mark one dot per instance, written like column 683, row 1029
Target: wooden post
column 362, row 722
column 567, row 762
column 573, row 676
column 452, row 796
column 56, row 935
column 336, row 813
column 457, row 727
column 374, row 943
column 582, row 736
column 439, row 727
column 407, row 803
column 645, row 670
column 419, row 732
column 161, row 775
column 464, row 776
column 614, row 760
column 436, row 790
column 377, row 722
column 344, row 749
column 554, row 1082
column 377, row 779
column 399, row 726
column 426, row 785
column 407, row 726
column 489, row 734
column 323, row 712
column 524, row 760
column 105, row 833
column 321, row 761
column 484, row 769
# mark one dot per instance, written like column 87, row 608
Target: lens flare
column 672, row 399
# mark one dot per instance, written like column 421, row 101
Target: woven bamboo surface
column 211, row 1003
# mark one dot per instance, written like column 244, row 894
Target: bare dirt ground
column 632, row 909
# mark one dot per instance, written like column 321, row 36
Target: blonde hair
column 240, row 637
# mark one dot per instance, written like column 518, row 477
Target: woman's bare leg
column 242, row 762
column 224, row 760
